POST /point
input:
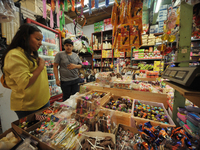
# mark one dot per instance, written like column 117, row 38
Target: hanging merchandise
column 51, row 19
column 90, row 7
column 106, row 3
column 73, row 5
column 52, row 5
column 7, row 11
column 82, row 3
column 196, row 22
column 66, row 5
column 93, row 3
column 96, row 3
column 168, row 34
column 127, row 24
column 44, row 9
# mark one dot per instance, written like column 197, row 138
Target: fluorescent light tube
column 158, row 5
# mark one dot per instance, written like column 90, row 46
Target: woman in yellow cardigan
column 25, row 72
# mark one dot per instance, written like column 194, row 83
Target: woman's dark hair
column 21, row 39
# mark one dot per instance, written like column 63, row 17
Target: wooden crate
column 135, row 121
column 148, row 96
column 116, row 116
column 16, row 135
column 84, row 106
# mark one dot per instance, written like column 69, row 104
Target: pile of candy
column 121, row 104
column 98, row 143
column 93, row 95
column 155, row 137
column 150, row 112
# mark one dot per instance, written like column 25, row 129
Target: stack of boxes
column 148, row 40
column 106, row 53
column 118, row 54
column 151, row 53
column 151, row 39
column 145, row 39
column 99, row 26
column 107, row 24
column 162, row 16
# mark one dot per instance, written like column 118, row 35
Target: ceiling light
column 158, row 6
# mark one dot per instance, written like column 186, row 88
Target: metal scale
column 186, row 76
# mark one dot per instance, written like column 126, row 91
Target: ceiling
column 97, row 15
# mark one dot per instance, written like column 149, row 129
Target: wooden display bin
column 16, row 135
column 90, row 108
column 30, row 118
column 23, row 133
column 135, row 121
column 116, row 116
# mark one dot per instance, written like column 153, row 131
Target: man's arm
column 55, row 71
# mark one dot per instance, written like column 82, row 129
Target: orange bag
column 3, row 81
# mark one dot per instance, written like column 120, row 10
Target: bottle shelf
column 44, row 56
column 49, row 44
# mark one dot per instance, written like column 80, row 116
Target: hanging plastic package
column 52, row 5
column 44, row 9
column 82, row 3
column 107, row 3
column 93, row 2
column 66, row 5
column 96, row 3
column 7, row 11
column 73, row 5
column 51, row 19
column 90, row 7
column 61, row 22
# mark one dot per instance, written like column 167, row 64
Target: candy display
column 154, row 137
column 145, row 110
column 123, row 104
column 88, row 104
column 98, row 143
column 9, row 140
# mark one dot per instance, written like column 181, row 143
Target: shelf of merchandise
column 44, row 56
column 100, row 36
column 107, row 40
column 192, row 95
column 96, row 49
column 146, row 59
column 49, row 44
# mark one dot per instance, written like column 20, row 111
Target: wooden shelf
column 96, row 67
column 97, row 50
column 107, row 58
column 107, row 40
column 148, row 59
column 192, row 95
column 96, row 58
column 107, row 49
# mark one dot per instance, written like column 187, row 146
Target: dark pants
column 69, row 88
column 22, row 114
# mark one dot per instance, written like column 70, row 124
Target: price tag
column 184, row 51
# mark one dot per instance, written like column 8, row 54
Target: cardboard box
column 135, row 121
column 153, row 28
column 162, row 15
column 16, row 135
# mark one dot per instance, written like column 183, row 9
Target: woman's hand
column 41, row 62
column 58, row 82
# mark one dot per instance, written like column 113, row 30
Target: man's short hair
column 68, row 41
